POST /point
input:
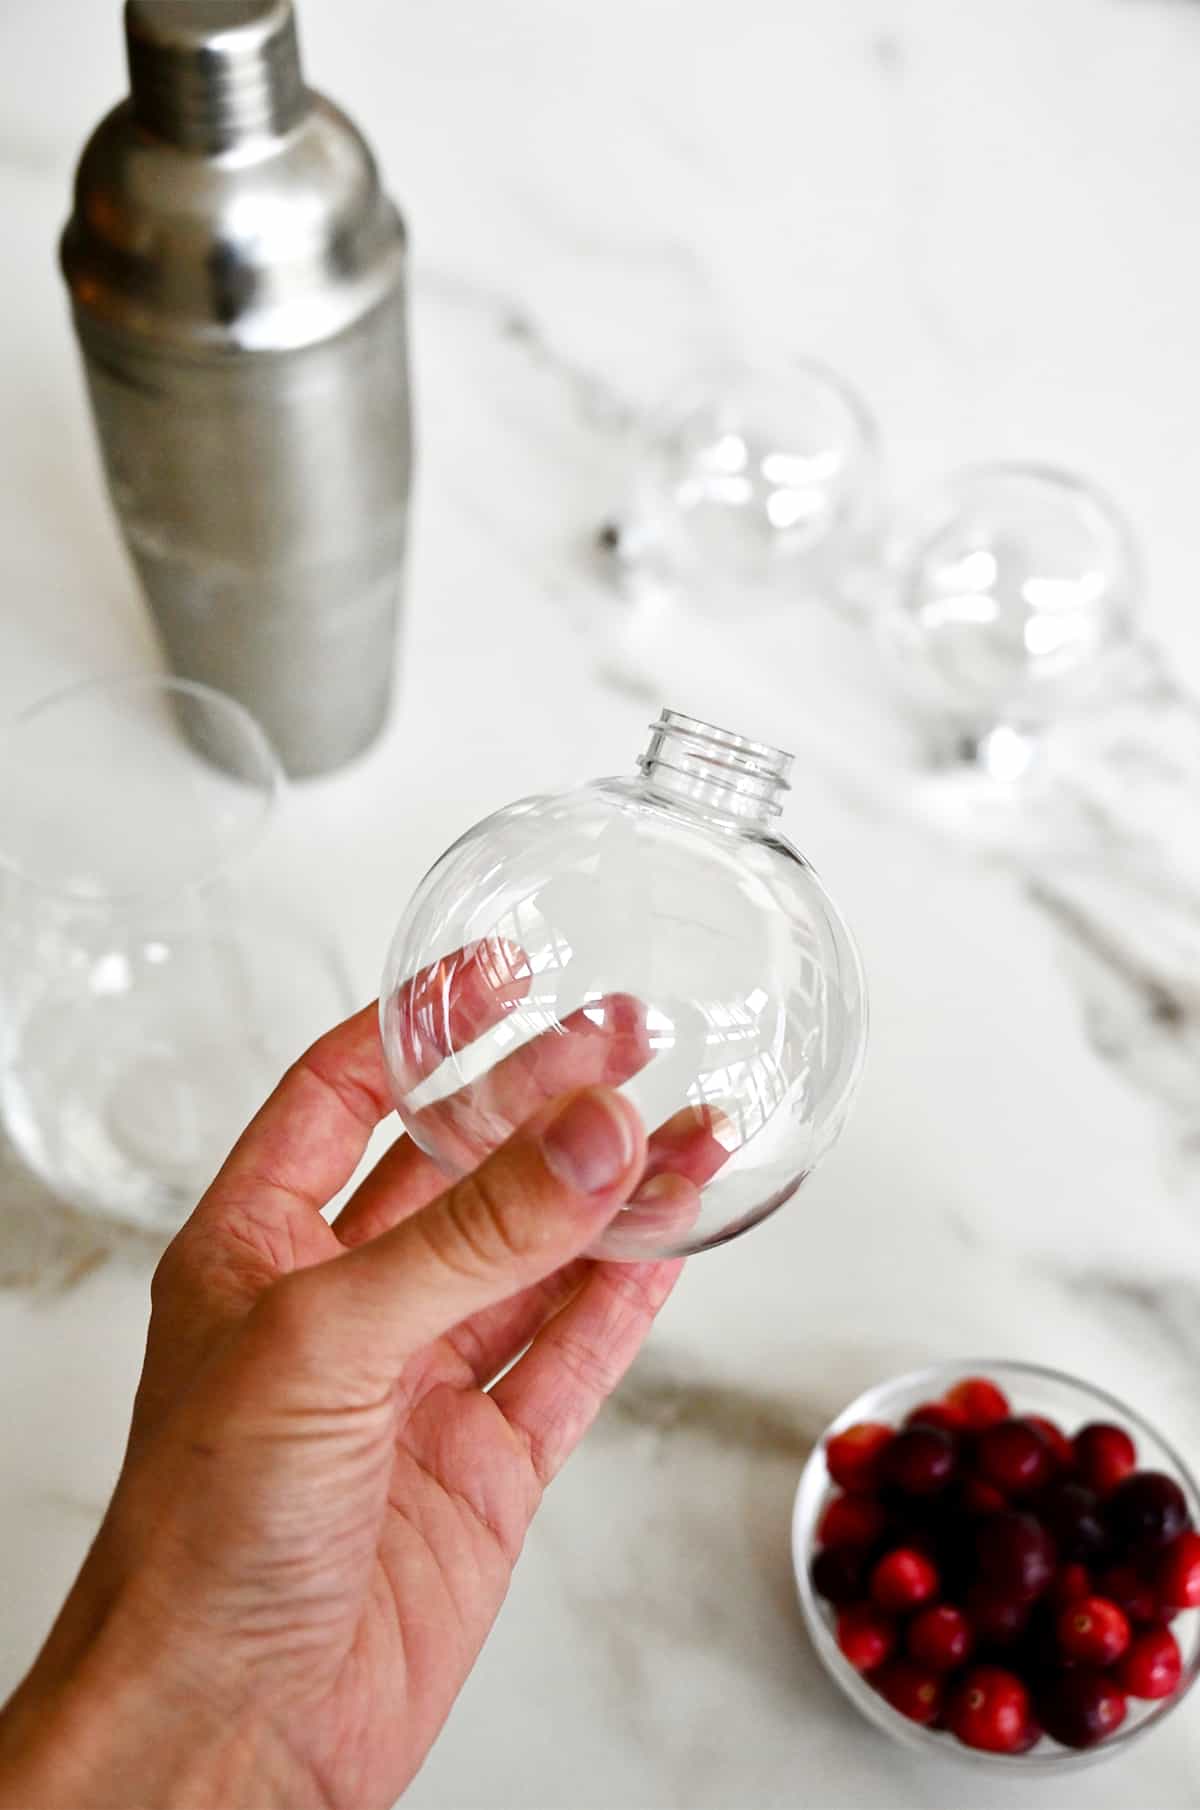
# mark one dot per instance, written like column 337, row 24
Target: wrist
column 118, row 1731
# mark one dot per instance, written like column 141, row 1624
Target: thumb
column 533, row 1205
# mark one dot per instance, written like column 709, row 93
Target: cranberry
column 919, row 1462
column 943, row 1415
column 903, row 1580
column 839, row 1574
column 989, row 1709
column 851, row 1521
column 1014, row 1457
column 1147, row 1511
column 915, row 1690
column 1015, row 1554
column 940, row 1636
column 1072, row 1515
column 1152, row 1667
column 1125, row 1586
column 865, row 1636
column 1071, row 1581
column 980, row 1400
column 1061, row 1449
column 997, row 1616
column 1031, row 1734
column 853, row 1455
column 1080, row 1707
column 1178, row 1572
column 1093, row 1630
column 980, row 1498
column 1104, row 1456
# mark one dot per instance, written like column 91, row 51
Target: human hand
column 322, row 1499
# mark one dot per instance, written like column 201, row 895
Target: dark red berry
column 1080, row 1707
column 839, row 1574
column 1015, row 1555
column 1104, row 1456
column 1014, row 1457
column 919, row 1462
column 853, row 1455
column 997, row 1617
column 903, row 1580
column 989, row 1709
column 1061, row 1448
column 866, row 1636
column 851, row 1521
column 1153, row 1665
column 1030, row 1736
column 915, row 1690
column 980, row 1498
column 1072, row 1515
column 1093, row 1630
column 944, row 1415
column 1125, row 1586
column 1147, row 1511
column 980, row 1400
column 1177, row 1574
column 1071, row 1581
column 940, row 1636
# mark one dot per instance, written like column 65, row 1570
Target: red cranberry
column 1147, row 1511
column 865, row 1636
column 851, row 1521
column 989, row 1709
column 853, row 1455
column 1015, row 1554
column 940, row 1636
column 1093, row 1630
column 1014, row 1457
column 903, row 1580
column 997, row 1617
column 1125, row 1586
column 943, row 1415
column 839, row 1574
column 980, row 1498
column 1104, row 1456
column 1030, row 1736
column 919, row 1462
column 1071, row 1581
column 1072, row 1515
column 980, row 1400
column 1178, row 1572
column 1153, row 1666
column 1080, row 1707
column 1061, row 1449
column 915, row 1690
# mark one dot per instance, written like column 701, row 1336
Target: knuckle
column 487, row 1223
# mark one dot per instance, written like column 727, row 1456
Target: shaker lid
column 208, row 74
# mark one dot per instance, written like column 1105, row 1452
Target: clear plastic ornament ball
column 654, row 933
column 755, row 483
column 1013, row 588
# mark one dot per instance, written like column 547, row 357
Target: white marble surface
column 985, row 214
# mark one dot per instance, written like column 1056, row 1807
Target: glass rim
column 251, row 733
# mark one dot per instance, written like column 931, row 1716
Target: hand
column 322, row 1499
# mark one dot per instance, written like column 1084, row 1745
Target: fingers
column 551, row 1396
column 532, row 1207
column 452, row 1003
column 604, row 1043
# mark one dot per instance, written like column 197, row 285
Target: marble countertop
column 983, row 214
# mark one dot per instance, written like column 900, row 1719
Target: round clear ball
column 628, row 935
column 1013, row 587
column 757, row 481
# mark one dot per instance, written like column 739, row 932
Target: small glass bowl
column 1031, row 1390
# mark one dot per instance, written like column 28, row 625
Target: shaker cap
column 208, row 74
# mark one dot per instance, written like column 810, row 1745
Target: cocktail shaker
column 237, row 278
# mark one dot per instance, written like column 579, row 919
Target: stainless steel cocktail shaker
column 237, row 277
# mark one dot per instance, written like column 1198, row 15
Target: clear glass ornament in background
column 754, row 485
column 155, row 975
column 1012, row 596
column 653, row 932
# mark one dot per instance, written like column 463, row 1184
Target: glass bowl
column 1031, row 1390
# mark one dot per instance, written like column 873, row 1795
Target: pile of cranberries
column 995, row 1578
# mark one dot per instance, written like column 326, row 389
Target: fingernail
column 657, row 1188
column 589, row 1143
